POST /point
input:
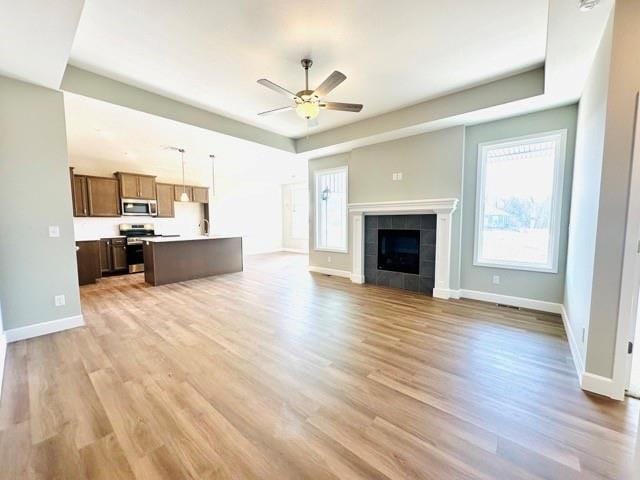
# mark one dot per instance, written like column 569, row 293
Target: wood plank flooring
column 275, row 373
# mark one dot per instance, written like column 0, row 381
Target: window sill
column 515, row 266
column 332, row 250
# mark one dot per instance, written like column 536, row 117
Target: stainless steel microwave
column 139, row 208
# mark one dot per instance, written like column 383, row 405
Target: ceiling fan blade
column 312, row 122
column 276, row 110
column 277, row 88
column 331, row 82
column 345, row 107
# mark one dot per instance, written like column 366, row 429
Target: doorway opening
column 295, row 215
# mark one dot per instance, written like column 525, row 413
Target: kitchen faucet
column 205, row 226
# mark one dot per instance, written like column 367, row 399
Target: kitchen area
column 117, row 217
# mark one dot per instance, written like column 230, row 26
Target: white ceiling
column 103, row 136
column 210, row 54
column 36, row 37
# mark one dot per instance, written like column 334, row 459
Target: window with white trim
column 519, row 202
column 331, row 209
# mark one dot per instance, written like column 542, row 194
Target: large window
column 331, row 209
column 518, row 203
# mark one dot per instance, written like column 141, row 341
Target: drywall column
column 585, row 196
column 34, row 195
column 623, row 86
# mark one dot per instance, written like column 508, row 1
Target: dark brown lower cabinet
column 113, row 255
column 88, row 257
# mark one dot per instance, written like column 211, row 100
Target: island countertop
column 177, row 259
column 187, row 238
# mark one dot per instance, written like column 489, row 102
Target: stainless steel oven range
column 135, row 234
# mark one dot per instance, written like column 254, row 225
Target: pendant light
column 183, row 196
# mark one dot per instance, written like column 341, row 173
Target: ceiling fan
column 307, row 103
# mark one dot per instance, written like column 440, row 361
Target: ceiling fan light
column 308, row 110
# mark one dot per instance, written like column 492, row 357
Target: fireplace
column 399, row 251
column 435, row 244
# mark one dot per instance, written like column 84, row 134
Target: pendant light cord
column 184, row 186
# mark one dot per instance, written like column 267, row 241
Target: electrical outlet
column 399, row 176
column 496, row 279
column 59, row 300
column 54, row 231
column 329, row 258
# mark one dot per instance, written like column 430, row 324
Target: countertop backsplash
column 186, row 222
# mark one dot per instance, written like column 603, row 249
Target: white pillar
column 357, row 235
column 443, row 256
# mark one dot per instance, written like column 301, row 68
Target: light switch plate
column 496, row 279
column 54, row 231
column 59, row 300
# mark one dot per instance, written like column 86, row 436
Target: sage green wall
column 34, row 194
column 518, row 283
column 431, row 165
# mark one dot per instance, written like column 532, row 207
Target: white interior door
column 295, row 213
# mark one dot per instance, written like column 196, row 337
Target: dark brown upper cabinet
column 200, row 195
column 79, row 195
column 134, row 185
column 178, row 189
column 195, row 194
column 103, row 198
column 164, row 195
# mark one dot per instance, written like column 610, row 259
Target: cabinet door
column 200, row 195
column 103, row 197
column 105, row 255
column 147, row 188
column 88, row 257
column 164, row 194
column 118, row 255
column 178, row 189
column 129, row 187
column 80, row 198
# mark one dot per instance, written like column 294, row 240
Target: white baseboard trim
column 446, row 293
column 357, row 278
column 330, row 271
column 44, row 328
column 3, row 356
column 600, row 385
column 521, row 302
column 294, row 250
column 573, row 343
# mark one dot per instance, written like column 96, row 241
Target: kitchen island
column 169, row 260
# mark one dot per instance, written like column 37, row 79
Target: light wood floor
column 276, row 373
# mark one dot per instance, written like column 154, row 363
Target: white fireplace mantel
column 442, row 207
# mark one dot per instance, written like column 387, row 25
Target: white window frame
column 560, row 137
column 316, row 202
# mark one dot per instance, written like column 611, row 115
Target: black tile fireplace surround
column 423, row 281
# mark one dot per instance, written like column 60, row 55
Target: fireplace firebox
column 399, row 251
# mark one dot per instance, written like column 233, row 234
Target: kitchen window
column 331, row 195
column 519, row 202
